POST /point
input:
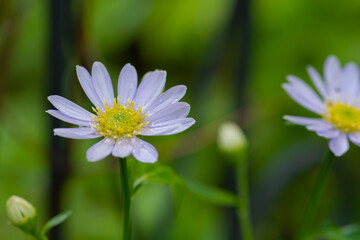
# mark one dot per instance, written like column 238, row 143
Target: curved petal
column 69, row 108
column 307, row 103
column 122, row 148
column 127, row 84
column 355, row 138
column 143, row 151
column 172, row 95
column 170, row 112
column 332, row 74
column 102, row 83
column 305, row 91
column 320, row 127
column 100, row 150
column 317, row 81
column 304, row 120
column 350, row 86
column 331, row 133
column 77, row 133
column 167, row 128
column 66, row 118
column 88, row 87
column 150, row 88
column 339, row 145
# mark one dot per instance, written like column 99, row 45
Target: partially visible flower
column 21, row 213
column 339, row 105
column 231, row 138
column 135, row 111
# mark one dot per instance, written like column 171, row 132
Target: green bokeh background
column 181, row 37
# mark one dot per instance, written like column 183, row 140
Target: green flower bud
column 21, row 214
column 231, row 138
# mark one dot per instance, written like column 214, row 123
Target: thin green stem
column 243, row 205
column 315, row 196
column 126, row 195
column 38, row 236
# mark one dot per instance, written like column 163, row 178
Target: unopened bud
column 231, row 138
column 21, row 213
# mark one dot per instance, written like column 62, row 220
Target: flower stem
column 315, row 196
column 126, row 194
column 243, row 205
column 38, row 236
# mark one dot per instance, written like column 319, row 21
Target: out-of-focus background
column 233, row 55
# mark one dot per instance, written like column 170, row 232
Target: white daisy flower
column 338, row 104
column 135, row 111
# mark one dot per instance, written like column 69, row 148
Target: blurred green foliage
column 179, row 36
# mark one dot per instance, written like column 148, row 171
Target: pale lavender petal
column 69, row 108
column 355, row 138
column 122, row 148
column 77, row 133
column 320, row 127
column 167, row 128
column 102, row 83
column 143, row 151
column 172, row 95
column 100, row 150
column 88, row 87
column 350, row 84
column 305, row 102
column 66, row 118
column 150, row 88
column 170, row 112
column 317, row 81
column 331, row 133
column 305, row 92
column 127, row 84
column 332, row 74
column 339, row 145
column 304, row 121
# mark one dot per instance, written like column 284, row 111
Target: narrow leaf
column 53, row 222
column 164, row 175
column 212, row 194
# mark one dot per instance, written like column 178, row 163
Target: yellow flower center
column 344, row 117
column 119, row 121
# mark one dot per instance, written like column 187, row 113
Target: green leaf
column 212, row 194
column 164, row 175
column 53, row 222
column 331, row 232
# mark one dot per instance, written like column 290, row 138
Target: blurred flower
column 135, row 111
column 21, row 213
column 339, row 105
column 231, row 138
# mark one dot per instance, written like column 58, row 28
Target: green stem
column 314, row 199
column 126, row 194
column 38, row 236
column 243, row 205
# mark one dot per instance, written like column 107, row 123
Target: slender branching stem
column 243, row 192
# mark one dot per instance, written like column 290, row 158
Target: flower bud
column 21, row 213
column 231, row 138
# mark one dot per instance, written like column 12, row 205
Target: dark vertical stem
column 60, row 47
column 243, row 25
column 126, row 194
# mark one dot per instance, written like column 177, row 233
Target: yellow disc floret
column 344, row 117
column 119, row 121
